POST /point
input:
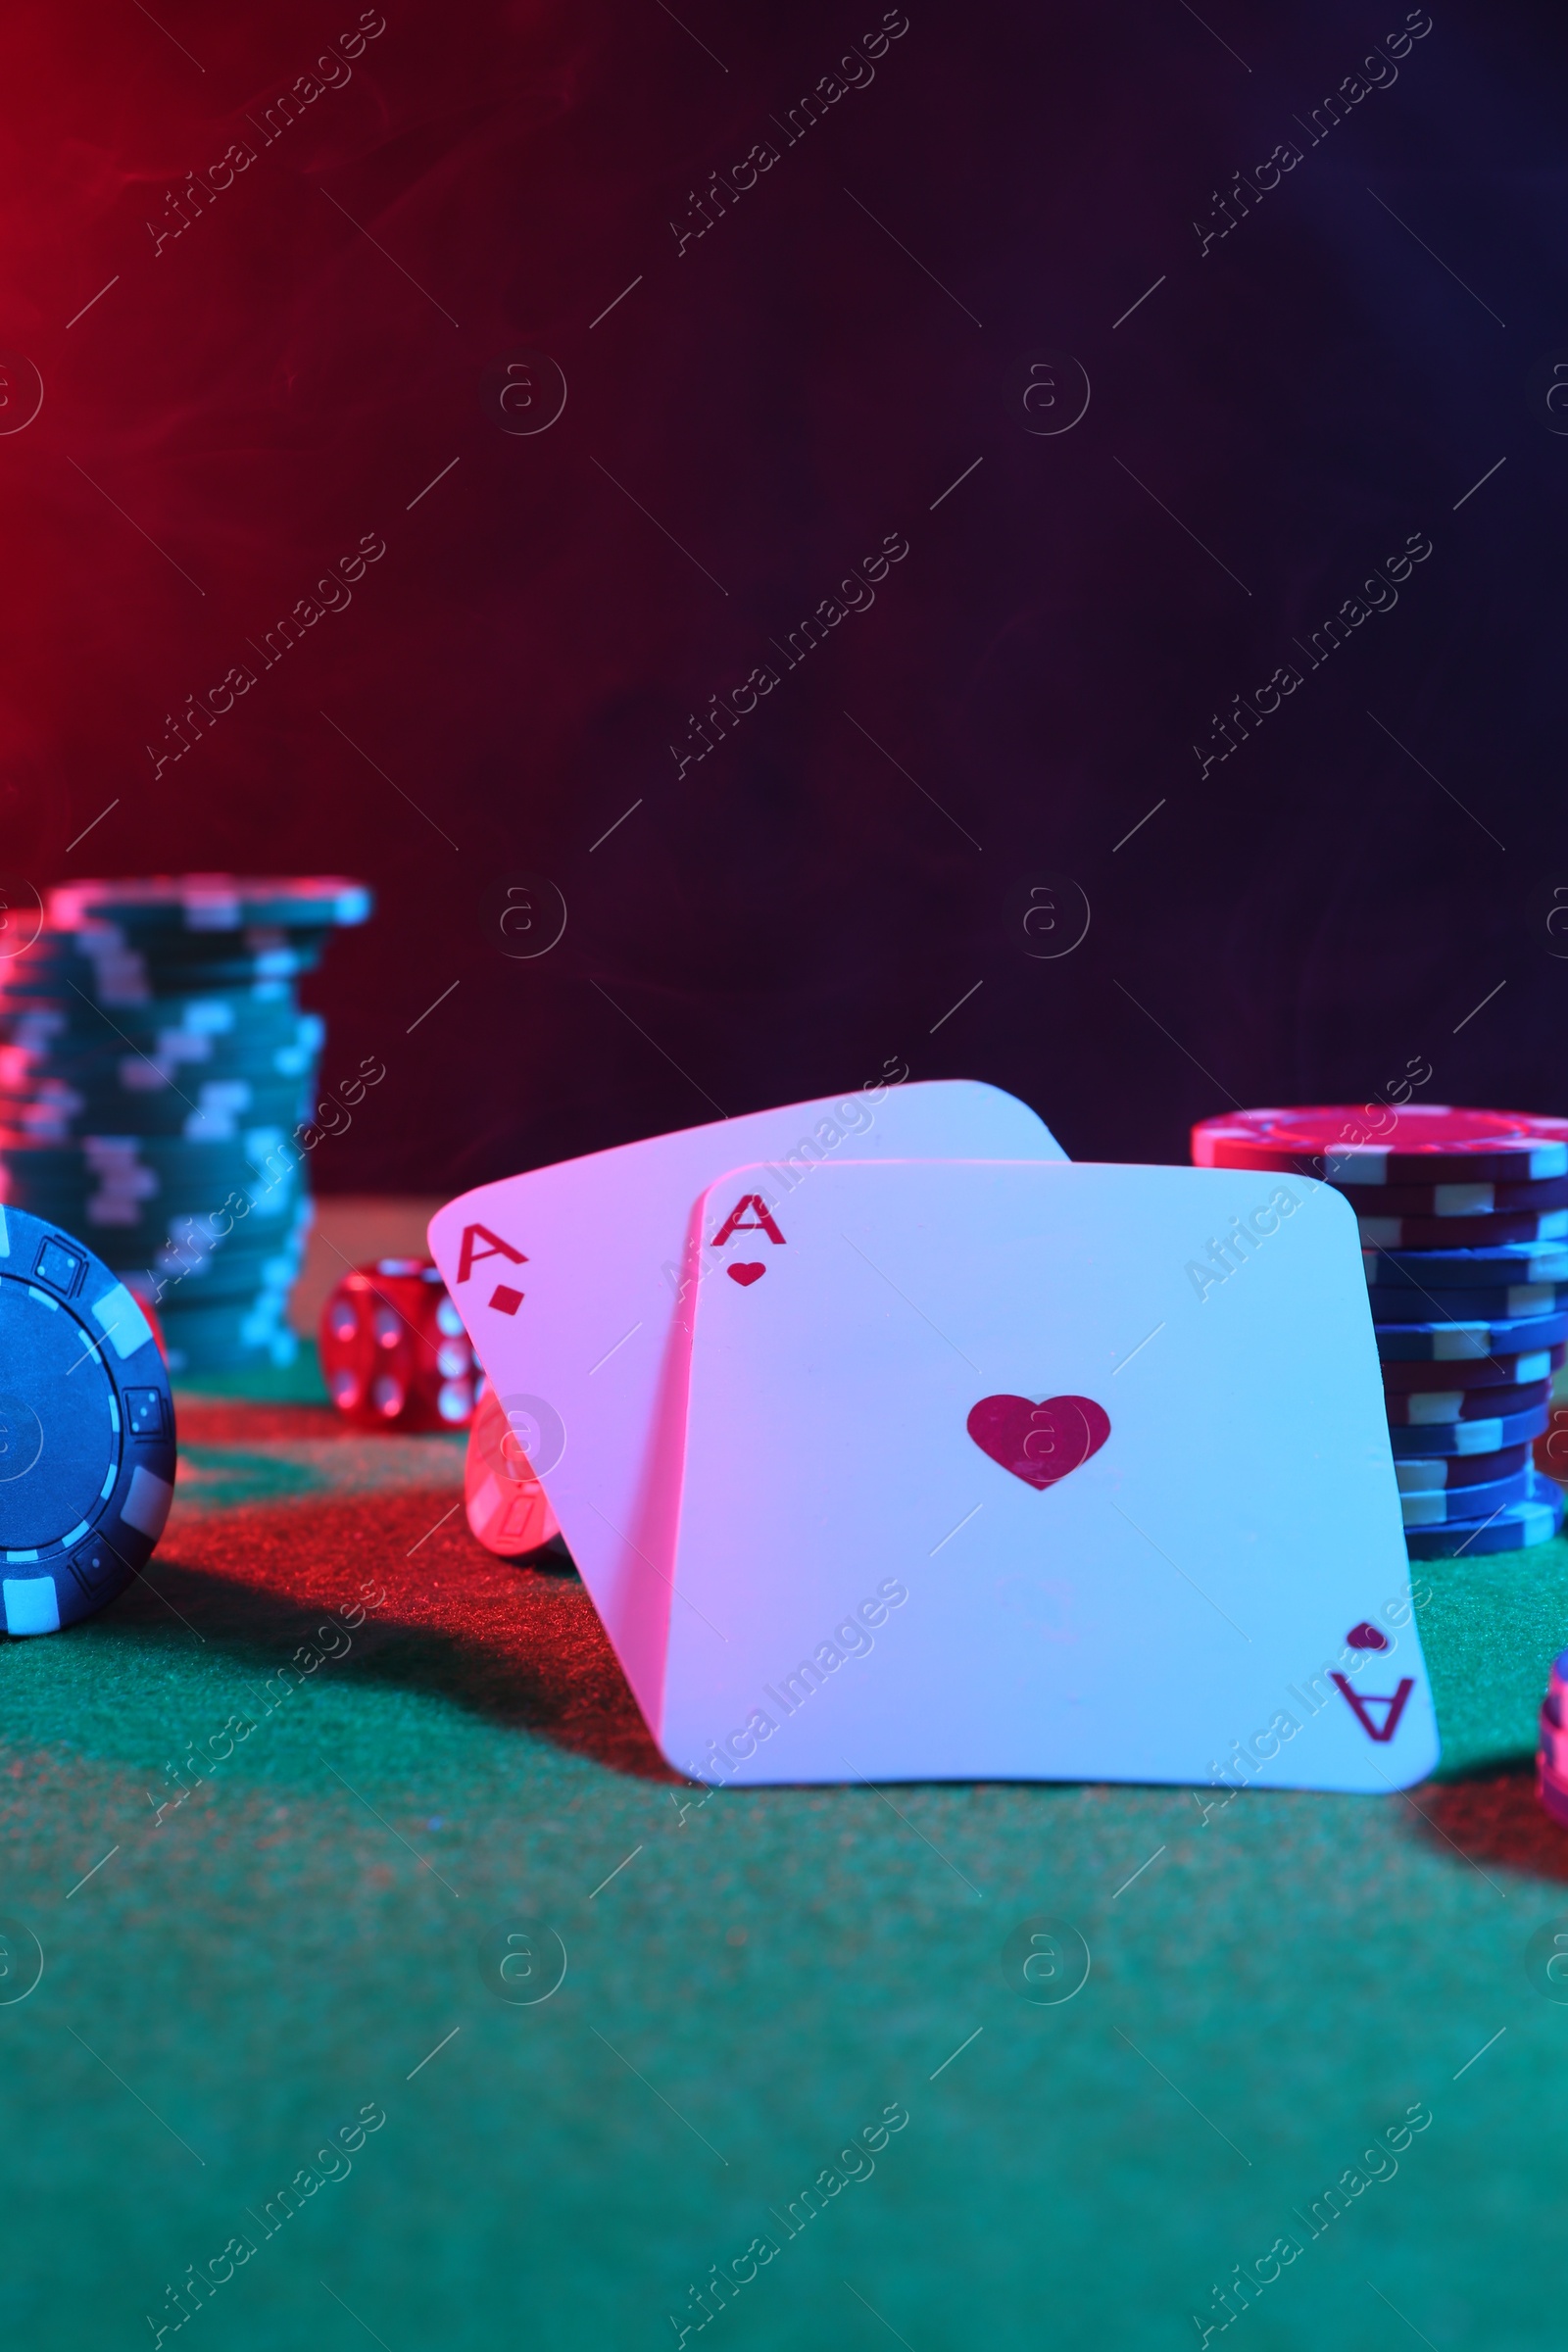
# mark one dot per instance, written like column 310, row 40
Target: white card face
column 570, row 1278
column 988, row 1477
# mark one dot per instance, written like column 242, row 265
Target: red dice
column 394, row 1352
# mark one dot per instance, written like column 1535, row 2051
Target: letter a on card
column 504, row 1298
column 1361, row 1701
column 494, row 1246
column 739, row 1222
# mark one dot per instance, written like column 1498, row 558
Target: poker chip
column 1424, row 1474
column 204, row 904
column 1447, row 1507
column 157, row 1073
column 1552, row 1794
column 87, row 1429
column 137, row 1181
column 1551, row 1753
column 1512, row 1527
column 1532, row 1225
column 1472, row 1304
column 1488, row 1372
column 102, row 967
column 1500, row 1268
column 1362, row 1144
column 1470, row 1436
column 1467, row 1338
column 1551, row 1450
column 1434, row 1409
column 1456, row 1200
column 1463, row 1216
column 158, row 1080
column 506, row 1507
column 225, row 1337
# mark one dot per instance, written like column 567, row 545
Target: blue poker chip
column 205, row 903
column 1431, row 1473
column 1514, row 1527
column 1410, row 1377
column 1450, row 1506
column 1520, row 1301
column 1439, row 1408
column 1470, row 1436
column 1469, row 1338
column 86, row 1430
column 1466, row 1270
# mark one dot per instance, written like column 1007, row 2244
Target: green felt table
column 295, row 1950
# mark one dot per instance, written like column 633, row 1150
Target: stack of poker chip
column 155, row 1069
column 1552, row 1752
column 1463, row 1216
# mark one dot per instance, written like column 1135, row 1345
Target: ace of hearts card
column 981, row 1481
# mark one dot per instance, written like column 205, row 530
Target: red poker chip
column 1362, row 1144
column 142, row 1289
column 1410, row 1376
column 1552, row 1449
column 1417, row 1475
column 1458, row 1199
column 1553, row 1794
column 1379, row 1231
column 1428, row 1409
column 506, row 1507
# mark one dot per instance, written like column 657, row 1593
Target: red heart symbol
column 746, row 1275
column 1039, row 1443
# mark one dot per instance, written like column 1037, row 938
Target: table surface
column 752, row 1980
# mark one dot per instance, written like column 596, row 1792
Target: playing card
column 1070, row 1473
column 570, row 1279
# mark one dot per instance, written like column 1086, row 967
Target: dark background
column 805, row 907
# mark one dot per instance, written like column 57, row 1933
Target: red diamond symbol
column 505, row 1301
